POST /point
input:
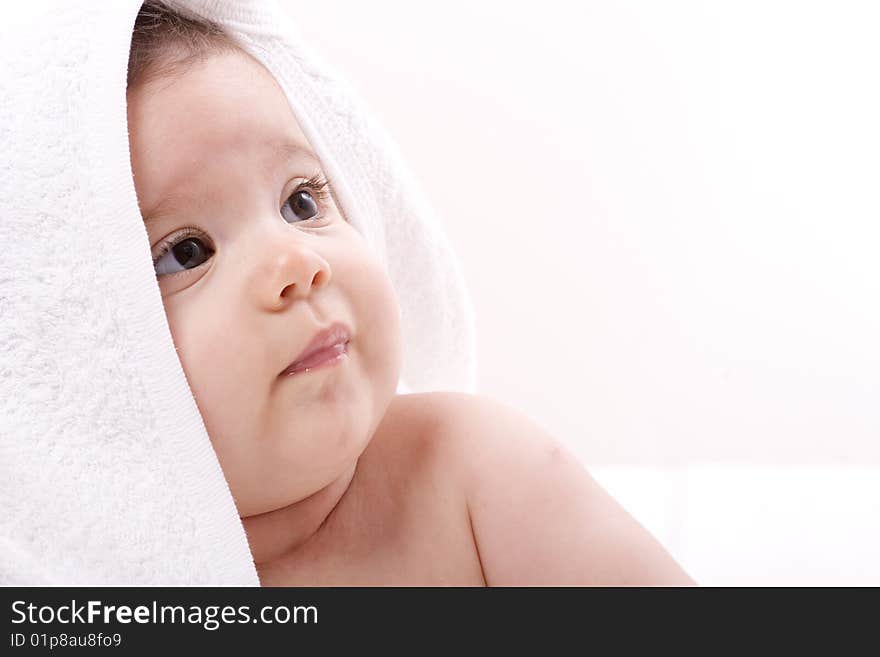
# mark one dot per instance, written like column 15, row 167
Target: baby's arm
column 538, row 517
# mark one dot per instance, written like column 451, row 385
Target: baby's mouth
column 319, row 359
column 327, row 347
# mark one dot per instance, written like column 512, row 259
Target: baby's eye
column 302, row 205
column 306, row 203
column 186, row 254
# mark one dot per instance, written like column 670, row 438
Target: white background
column 669, row 218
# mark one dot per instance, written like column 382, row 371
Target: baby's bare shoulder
column 421, row 432
column 468, row 431
column 452, row 436
column 467, row 438
column 446, row 426
column 523, row 488
column 416, row 443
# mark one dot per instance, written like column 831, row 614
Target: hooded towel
column 107, row 475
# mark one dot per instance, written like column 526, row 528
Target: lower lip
column 320, row 360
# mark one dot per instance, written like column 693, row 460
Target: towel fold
column 107, row 475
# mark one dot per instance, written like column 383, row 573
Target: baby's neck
column 280, row 533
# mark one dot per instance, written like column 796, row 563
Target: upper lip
column 336, row 333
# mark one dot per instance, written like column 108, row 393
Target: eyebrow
column 284, row 151
column 162, row 208
column 291, row 151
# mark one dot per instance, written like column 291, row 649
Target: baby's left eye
column 302, row 206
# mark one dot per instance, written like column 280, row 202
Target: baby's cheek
column 379, row 314
column 202, row 349
column 184, row 332
column 215, row 373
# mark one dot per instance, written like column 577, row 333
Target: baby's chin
column 308, row 434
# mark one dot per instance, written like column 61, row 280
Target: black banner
column 110, row 620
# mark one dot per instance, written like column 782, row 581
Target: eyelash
column 317, row 185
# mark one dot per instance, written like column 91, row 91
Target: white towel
column 107, row 475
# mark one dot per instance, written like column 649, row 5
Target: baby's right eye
column 187, row 253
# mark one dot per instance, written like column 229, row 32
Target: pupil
column 186, row 251
column 305, row 204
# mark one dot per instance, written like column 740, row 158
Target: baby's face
column 260, row 260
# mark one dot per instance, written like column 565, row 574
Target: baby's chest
column 433, row 558
column 417, row 543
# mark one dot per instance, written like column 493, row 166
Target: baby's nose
column 291, row 269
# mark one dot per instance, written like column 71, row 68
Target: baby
column 288, row 331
